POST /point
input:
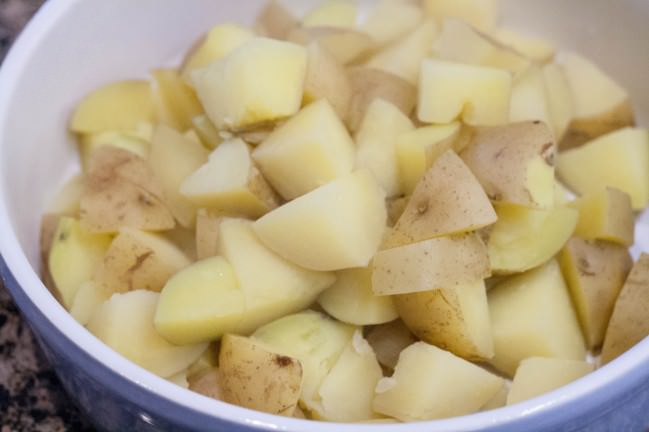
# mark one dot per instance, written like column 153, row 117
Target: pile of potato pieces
column 375, row 228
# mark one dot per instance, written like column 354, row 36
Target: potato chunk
column 530, row 99
column 536, row 49
column 481, row 14
column 176, row 102
column 332, row 13
column 275, row 21
column 430, row 383
column 391, row 19
column 606, row 215
column 388, row 340
column 559, row 99
column 327, row 79
column 345, row 44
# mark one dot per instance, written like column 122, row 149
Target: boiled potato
column 205, row 364
column 255, row 378
column 619, row 159
column 207, row 132
column 499, row 400
column 396, row 207
column 337, row 226
column 388, row 340
column 595, row 272
column 180, row 379
column 207, row 233
column 375, row 149
column 230, row 182
column 562, row 196
column 332, row 13
column 442, row 262
column 87, row 300
column 327, row 79
column 524, row 238
column 448, row 200
column 391, row 19
column 235, row 96
column 309, row 150
column 176, row 102
column 455, row 319
column 346, row 45
column 536, row 49
column 74, row 255
column 49, row 226
column 430, row 383
column 116, row 106
column 519, row 308
column 172, row 159
column 606, row 215
column 536, row 376
column 137, row 141
column 514, row 163
column 67, row 201
column 529, row 99
column 275, row 21
column 479, row 95
column 479, row 13
column 208, row 384
column 628, row 324
column 125, row 324
column 351, row 299
column 138, row 260
column 559, row 99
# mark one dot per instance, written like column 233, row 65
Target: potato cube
column 134, row 141
column 176, row 102
column 332, row 13
column 327, row 79
column 536, row 49
column 529, row 99
column 391, row 19
column 560, row 100
column 207, row 132
column 606, row 215
column 207, row 233
column 275, row 21
column 481, row 14
column 388, row 340
column 87, row 300
column 345, row 44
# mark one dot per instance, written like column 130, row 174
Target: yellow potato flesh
column 536, row 49
column 332, row 13
column 606, row 215
column 481, row 14
column 391, row 19
column 327, row 79
column 177, row 103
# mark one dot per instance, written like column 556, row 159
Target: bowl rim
column 568, row 399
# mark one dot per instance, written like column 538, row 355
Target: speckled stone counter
column 31, row 398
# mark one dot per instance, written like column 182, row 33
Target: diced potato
column 348, row 390
column 391, row 19
column 315, row 341
column 430, row 383
column 619, row 159
column 455, row 319
column 73, row 257
column 208, row 384
column 595, row 272
column 207, row 233
column 375, row 143
column 370, row 84
column 275, row 21
column 49, row 226
column 236, row 96
column 125, row 324
column 133, row 141
column 67, row 201
column 536, row 49
column 352, row 300
column 327, row 79
column 606, row 215
column 172, row 159
column 184, row 239
column 337, row 226
column 332, row 13
column 138, row 260
column 559, row 99
column 481, row 14
column 536, row 376
column 388, row 340
column 396, row 207
column 255, row 378
column 230, row 182
column 524, row 238
column 562, row 196
column 596, row 112
column 519, row 308
column 499, row 400
column 180, row 379
column 448, row 200
column 442, row 262
column 207, row 132
column 87, row 300
column 218, row 43
column 514, row 163
column 309, row 150
column 529, row 99
column 478, row 95
column 200, row 303
column 346, row 45
column 205, row 364
column 116, row 106
column 176, row 102
column 628, row 324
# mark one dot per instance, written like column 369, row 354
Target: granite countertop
column 31, row 397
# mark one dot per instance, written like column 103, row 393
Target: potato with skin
column 332, row 13
column 388, row 340
column 389, row 20
column 628, row 324
column 396, row 207
column 606, row 215
column 176, row 102
column 481, row 14
column 88, row 299
column 67, row 201
column 253, row 377
column 207, row 132
column 326, row 79
column 346, row 45
column 514, row 163
column 136, row 141
column 455, row 319
column 208, row 384
column 275, row 21
column 207, row 233
column 595, row 272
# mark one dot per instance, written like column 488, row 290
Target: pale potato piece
column 430, row 383
column 184, row 239
column 172, row 159
column 559, row 99
column 348, row 390
column 403, row 57
column 176, row 102
column 479, row 95
column 125, row 324
column 524, row 238
column 619, row 159
column 116, row 106
column 180, row 379
column 275, row 21
column 442, row 262
column 207, row 233
column 391, row 19
column 537, row 375
column 332, row 13
column 499, row 400
column 529, row 99
column 519, row 308
column 481, row 14
column 205, row 364
column 327, row 79
column 388, row 340
column 396, row 207
column 236, row 96
column 207, row 132
column 455, row 319
column 514, row 163
column 138, row 260
column 628, row 324
column 255, row 378
column 74, row 254
column 230, row 182
column 135, row 141
column 208, row 384
column 309, row 150
column 536, row 49
column 67, row 201
column 315, row 340
column 351, row 299
column 375, row 143
column 606, row 215
column 337, row 226
column 562, row 196
column 49, row 226
column 217, row 43
column 595, row 272
column 369, row 84
column 87, row 300
column 200, row 303
column 346, row 45
column 448, row 200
